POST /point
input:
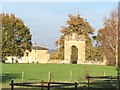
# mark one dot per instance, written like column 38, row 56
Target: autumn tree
column 77, row 24
column 0, row 43
column 109, row 38
column 119, row 35
column 0, row 37
column 16, row 37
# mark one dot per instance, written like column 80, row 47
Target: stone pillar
column 104, row 60
column 81, row 52
column 67, row 52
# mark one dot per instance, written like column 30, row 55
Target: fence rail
column 92, row 82
column 42, row 84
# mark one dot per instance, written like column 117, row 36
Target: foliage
column 0, row 43
column 109, row 38
column 96, row 40
column 16, row 37
column 77, row 24
column 95, row 54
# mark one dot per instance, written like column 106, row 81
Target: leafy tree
column 16, row 37
column 97, row 52
column 119, row 35
column 109, row 38
column 0, row 43
column 0, row 37
column 77, row 24
column 96, row 40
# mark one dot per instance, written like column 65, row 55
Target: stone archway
column 74, row 55
column 74, row 40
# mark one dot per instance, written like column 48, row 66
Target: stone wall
column 85, row 62
column 92, row 62
column 55, row 61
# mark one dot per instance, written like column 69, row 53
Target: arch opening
column 74, row 55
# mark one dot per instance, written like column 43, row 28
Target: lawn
column 59, row 72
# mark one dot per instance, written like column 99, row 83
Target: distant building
column 38, row 54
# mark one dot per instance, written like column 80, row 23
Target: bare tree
column 109, row 38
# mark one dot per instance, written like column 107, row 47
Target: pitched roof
column 39, row 48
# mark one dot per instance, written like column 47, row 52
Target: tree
column 0, row 43
column 97, row 52
column 16, row 37
column 109, row 38
column 77, row 24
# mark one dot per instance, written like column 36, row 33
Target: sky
column 46, row 18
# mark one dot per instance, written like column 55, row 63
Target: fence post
column 49, row 77
column 76, row 85
column 111, row 81
column 118, row 78
column 88, row 81
column 12, row 85
column 22, row 76
column 42, row 82
column 48, row 85
column 70, row 76
column 104, row 74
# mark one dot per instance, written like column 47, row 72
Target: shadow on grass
column 61, row 89
column 9, row 77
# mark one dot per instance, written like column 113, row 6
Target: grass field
column 60, row 72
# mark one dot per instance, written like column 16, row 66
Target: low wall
column 55, row 61
column 81, row 62
column 92, row 62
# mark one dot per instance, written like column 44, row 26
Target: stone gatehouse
column 77, row 41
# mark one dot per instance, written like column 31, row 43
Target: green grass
column 60, row 72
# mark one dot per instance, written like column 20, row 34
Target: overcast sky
column 46, row 18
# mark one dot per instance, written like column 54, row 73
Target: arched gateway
column 74, row 40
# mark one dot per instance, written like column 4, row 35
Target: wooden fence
column 111, row 80
column 42, row 84
column 118, row 78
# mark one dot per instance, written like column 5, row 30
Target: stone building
column 39, row 54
